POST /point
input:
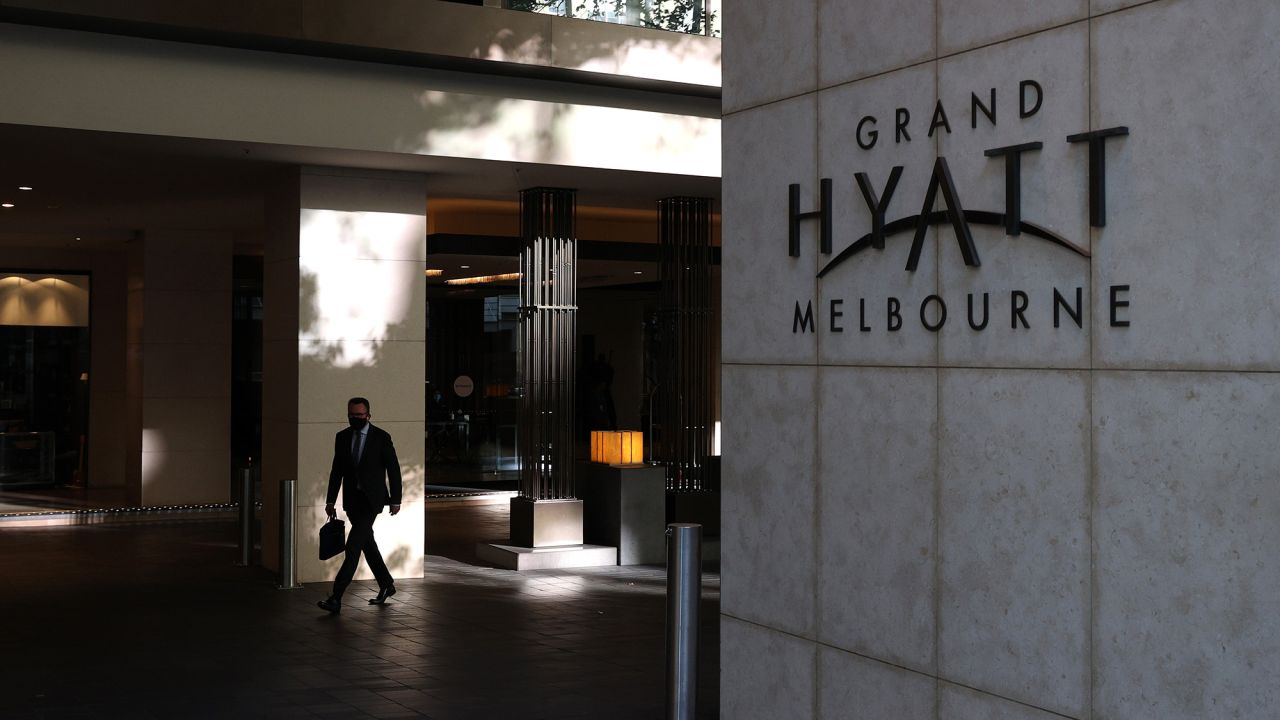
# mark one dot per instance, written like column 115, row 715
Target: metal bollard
column 288, row 539
column 684, row 592
column 246, row 517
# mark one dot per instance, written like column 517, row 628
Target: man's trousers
column 360, row 540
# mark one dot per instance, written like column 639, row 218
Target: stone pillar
column 178, row 368
column 345, row 315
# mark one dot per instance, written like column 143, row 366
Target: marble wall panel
column 762, row 283
column 1100, row 7
column 197, row 261
column 186, row 423
column 856, row 40
column 865, row 281
column 281, row 299
column 1187, row 226
column 1054, row 196
column 186, row 370
column 1187, row 500
column 851, row 687
column 185, row 477
column 773, row 54
column 961, row 703
column 389, row 374
column 765, row 674
column 280, row 380
column 966, row 24
column 876, row 494
column 357, row 299
column 1013, row 537
column 768, row 533
column 186, row 317
column 108, row 438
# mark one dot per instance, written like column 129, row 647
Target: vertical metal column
column 288, row 538
column 683, row 400
column 548, row 342
column 246, row 517
column 684, row 592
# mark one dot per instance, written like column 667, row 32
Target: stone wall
column 1047, row 516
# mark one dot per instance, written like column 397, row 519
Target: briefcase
column 333, row 538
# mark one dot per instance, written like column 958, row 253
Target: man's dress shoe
column 332, row 604
column 383, row 594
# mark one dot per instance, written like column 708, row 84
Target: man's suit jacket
column 378, row 463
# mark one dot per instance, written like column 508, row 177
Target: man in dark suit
column 363, row 461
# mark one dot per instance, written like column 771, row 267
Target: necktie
column 355, row 447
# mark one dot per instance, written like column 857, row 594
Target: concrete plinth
column 545, row 523
column 512, row 557
column 624, row 506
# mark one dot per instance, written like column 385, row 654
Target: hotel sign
column 933, row 309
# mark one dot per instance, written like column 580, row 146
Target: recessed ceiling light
column 465, row 267
column 6, row 205
column 639, row 272
column 24, row 187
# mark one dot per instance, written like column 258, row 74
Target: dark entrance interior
column 44, row 388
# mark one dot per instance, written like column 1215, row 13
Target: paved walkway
column 154, row 621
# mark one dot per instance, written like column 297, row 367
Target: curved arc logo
column 960, row 219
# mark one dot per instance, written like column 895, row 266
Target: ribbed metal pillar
column 548, row 342
column 683, row 399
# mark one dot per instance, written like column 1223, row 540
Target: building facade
column 1000, row 360
column 163, row 144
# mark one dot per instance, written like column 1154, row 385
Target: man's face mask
column 357, row 421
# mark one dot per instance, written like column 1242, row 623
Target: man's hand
column 395, row 509
column 328, row 510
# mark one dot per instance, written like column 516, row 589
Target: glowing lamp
column 624, row 447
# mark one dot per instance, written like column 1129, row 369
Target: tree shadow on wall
column 523, row 120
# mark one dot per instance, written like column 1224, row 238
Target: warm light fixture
column 24, row 187
column 433, row 272
column 477, row 280
column 6, row 205
column 465, row 267
column 639, row 272
column 622, row 447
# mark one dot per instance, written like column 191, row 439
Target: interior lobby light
column 434, row 272
column 25, row 187
column 465, row 267
column 638, row 272
column 623, row 447
column 6, row 205
column 483, row 279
